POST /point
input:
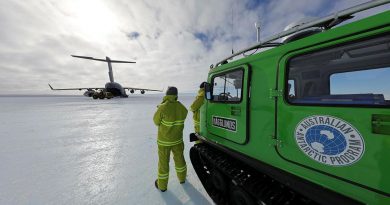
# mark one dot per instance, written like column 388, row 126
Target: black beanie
column 202, row 85
column 171, row 91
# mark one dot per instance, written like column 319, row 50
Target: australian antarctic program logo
column 329, row 140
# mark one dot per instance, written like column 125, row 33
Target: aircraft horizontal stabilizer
column 117, row 61
column 104, row 60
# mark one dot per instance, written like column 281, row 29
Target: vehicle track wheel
column 219, row 181
column 240, row 197
column 95, row 97
column 101, row 97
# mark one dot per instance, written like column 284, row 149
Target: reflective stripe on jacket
column 195, row 107
column 169, row 118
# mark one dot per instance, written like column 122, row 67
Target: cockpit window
column 353, row 74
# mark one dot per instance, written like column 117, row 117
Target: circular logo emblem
column 329, row 140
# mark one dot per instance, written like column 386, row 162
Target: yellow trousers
column 163, row 164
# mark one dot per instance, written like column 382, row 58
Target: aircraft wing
column 145, row 89
column 74, row 88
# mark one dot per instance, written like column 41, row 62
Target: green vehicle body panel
column 367, row 180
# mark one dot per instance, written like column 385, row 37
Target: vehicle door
column 227, row 109
column 334, row 116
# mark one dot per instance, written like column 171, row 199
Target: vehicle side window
column 352, row 74
column 227, row 87
column 291, row 88
column 365, row 81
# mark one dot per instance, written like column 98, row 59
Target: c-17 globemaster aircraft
column 111, row 89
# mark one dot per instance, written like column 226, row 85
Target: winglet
column 50, row 87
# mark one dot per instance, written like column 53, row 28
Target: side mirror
column 207, row 89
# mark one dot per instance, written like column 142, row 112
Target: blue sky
column 362, row 82
column 173, row 42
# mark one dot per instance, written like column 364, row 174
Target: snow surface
column 76, row 150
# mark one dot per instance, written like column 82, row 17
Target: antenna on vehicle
column 326, row 22
column 232, row 37
column 257, row 25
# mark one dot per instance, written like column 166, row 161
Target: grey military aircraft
column 112, row 88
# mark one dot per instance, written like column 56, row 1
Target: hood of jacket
column 170, row 98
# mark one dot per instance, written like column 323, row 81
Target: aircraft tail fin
column 108, row 60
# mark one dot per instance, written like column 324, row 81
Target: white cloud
column 38, row 38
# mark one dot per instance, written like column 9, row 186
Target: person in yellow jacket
column 169, row 118
column 196, row 105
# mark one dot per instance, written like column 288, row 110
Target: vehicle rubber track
column 229, row 181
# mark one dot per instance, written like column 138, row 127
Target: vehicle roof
column 369, row 23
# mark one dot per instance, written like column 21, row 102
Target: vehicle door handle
column 380, row 124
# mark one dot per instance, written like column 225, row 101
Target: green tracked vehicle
column 306, row 121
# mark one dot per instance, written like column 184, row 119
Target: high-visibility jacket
column 169, row 118
column 195, row 108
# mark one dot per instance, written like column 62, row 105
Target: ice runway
column 76, row 150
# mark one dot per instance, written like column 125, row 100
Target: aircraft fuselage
column 116, row 89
